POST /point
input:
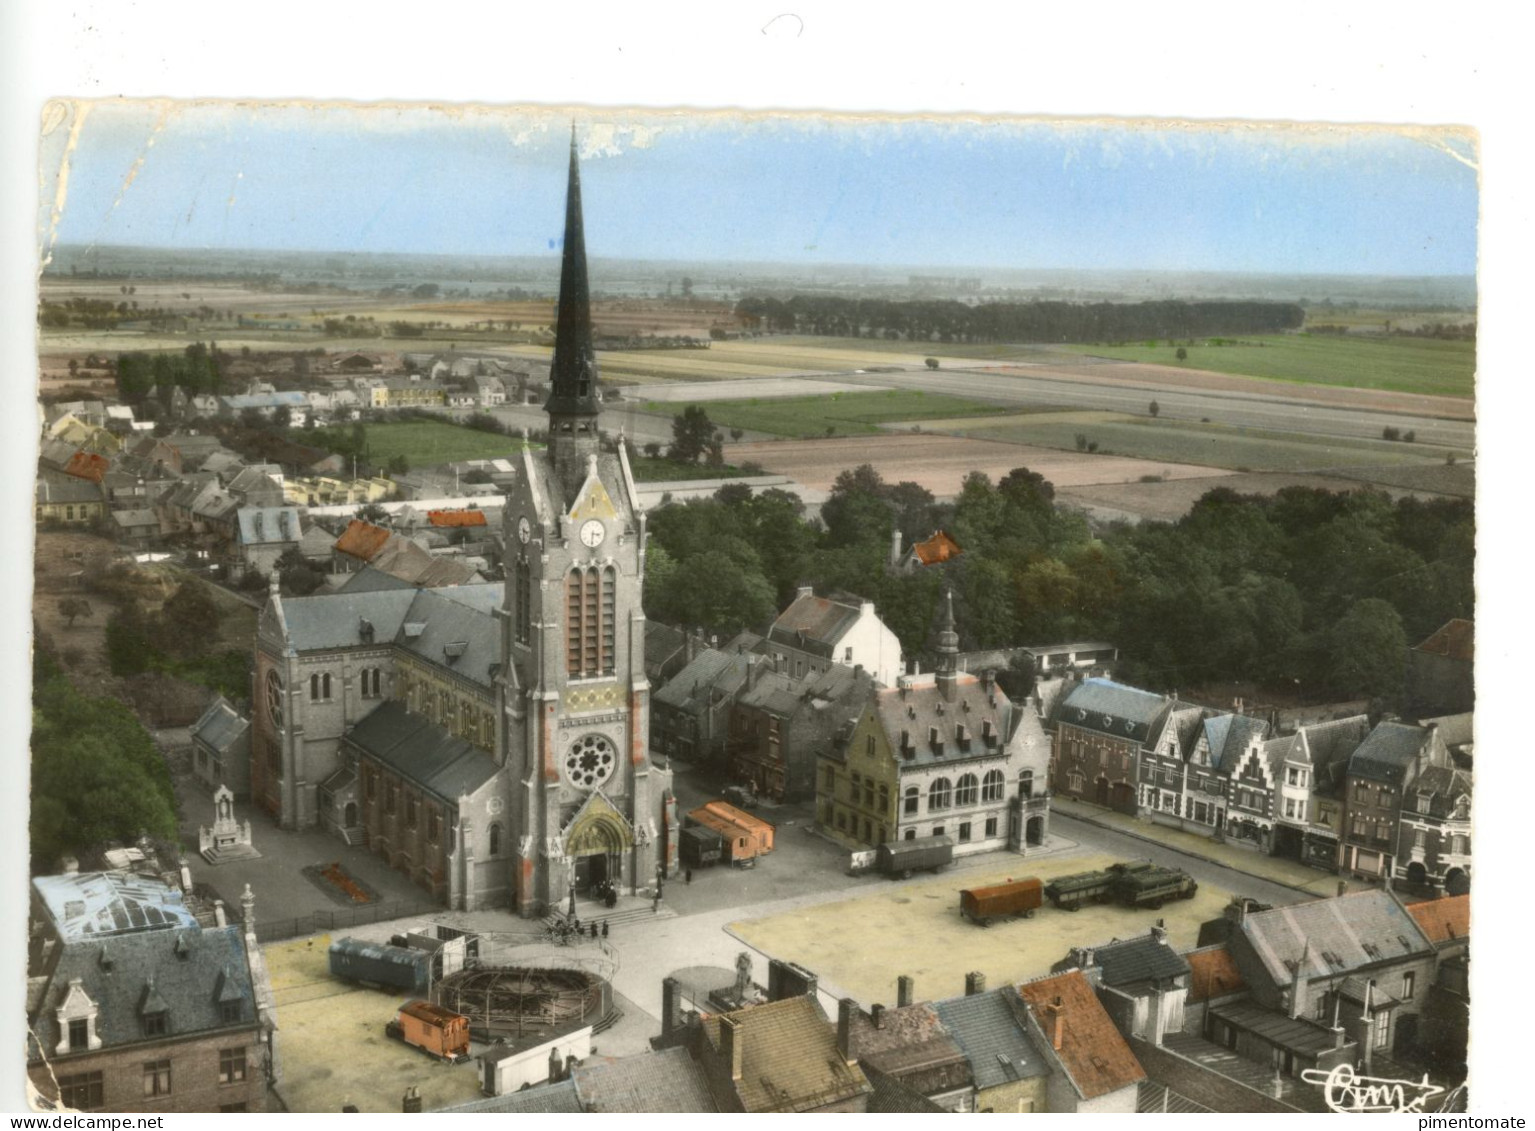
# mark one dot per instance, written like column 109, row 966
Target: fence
column 274, row 930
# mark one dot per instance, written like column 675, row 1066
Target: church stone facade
column 511, row 765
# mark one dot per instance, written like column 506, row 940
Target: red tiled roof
column 939, row 548
column 1214, row 974
column 1443, row 920
column 456, row 518
column 1093, row 1053
column 1455, row 640
column 87, row 465
column 362, row 539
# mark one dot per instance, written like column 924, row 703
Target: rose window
column 590, row 761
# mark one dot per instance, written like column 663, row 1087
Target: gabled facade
column 1092, row 1068
column 779, row 726
column 942, row 754
column 815, row 632
column 1378, row 774
column 1434, row 837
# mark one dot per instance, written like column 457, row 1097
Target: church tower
column 587, row 809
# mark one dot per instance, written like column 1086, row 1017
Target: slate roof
column 141, row 517
column 665, row 1081
column 1388, row 753
column 1095, row 1057
column 922, row 710
column 220, row 726
column 56, row 487
column 370, row 580
column 95, row 904
column 1287, row 1032
column 1454, row 730
column 1355, row 987
column 1112, row 708
column 458, row 630
column 1330, row 745
column 706, row 676
column 336, row 620
column 1337, row 935
column 1455, row 639
column 262, row 525
column 190, row 970
column 1229, row 737
column 1213, row 973
column 546, row 1099
column 888, row 1095
column 1443, row 920
column 789, row 1059
column 422, row 752
column 1144, row 959
column 813, row 624
column 992, row 1037
column 1444, row 782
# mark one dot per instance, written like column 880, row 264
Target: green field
column 847, row 413
column 1214, row 445
column 1402, row 365
column 647, row 470
column 426, row 443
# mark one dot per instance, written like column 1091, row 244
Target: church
column 490, row 741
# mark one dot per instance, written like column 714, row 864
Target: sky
column 802, row 189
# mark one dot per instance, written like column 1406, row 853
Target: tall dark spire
column 573, row 373
column 572, row 405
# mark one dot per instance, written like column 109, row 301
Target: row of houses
column 1385, row 800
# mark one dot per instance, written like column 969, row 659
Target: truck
column 1138, row 883
column 898, row 859
column 700, row 847
column 432, row 1029
column 1152, row 887
column 745, row 837
column 1014, row 898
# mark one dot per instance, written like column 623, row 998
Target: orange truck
column 432, row 1029
column 1000, row 901
column 746, row 837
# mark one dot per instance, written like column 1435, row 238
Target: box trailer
column 432, row 1029
column 701, row 847
column 382, row 965
column 1000, row 901
column 900, row 858
column 745, row 837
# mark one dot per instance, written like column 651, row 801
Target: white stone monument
column 228, row 839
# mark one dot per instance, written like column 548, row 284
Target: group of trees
column 180, row 639
column 928, row 320
column 197, row 369
column 1308, row 591
column 96, row 774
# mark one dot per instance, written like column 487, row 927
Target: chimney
column 218, row 913
column 1366, row 1037
column 877, row 1014
column 846, row 1007
column 1056, row 1013
column 732, row 1045
column 805, row 591
column 895, row 547
column 671, row 1006
column 411, row 1104
column 557, row 1063
column 1159, row 933
column 905, row 991
column 1298, row 982
column 975, row 983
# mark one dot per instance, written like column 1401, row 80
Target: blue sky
column 942, row 192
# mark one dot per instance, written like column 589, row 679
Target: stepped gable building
column 513, row 763
column 941, row 754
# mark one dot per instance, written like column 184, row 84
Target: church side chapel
column 489, row 741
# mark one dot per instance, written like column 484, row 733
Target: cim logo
column 1343, row 1091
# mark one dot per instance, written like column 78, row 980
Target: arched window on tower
column 590, row 595
column 524, row 599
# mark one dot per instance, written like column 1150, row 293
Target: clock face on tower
column 524, row 529
column 592, row 533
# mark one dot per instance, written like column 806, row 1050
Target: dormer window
column 156, row 1024
column 76, row 1016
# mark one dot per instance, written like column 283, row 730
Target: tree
column 687, row 287
column 692, row 432
column 282, row 416
column 1368, row 650
column 932, row 363
column 72, row 607
column 372, row 512
column 398, row 465
column 1182, row 354
column 1155, row 409
column 188, row 621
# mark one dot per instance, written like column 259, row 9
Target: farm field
column 844, row 944
column 804, row 417
column 1214, row 445
column 759, row 357
column 427, row 443
column 940, row 463
column 1403, row 365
